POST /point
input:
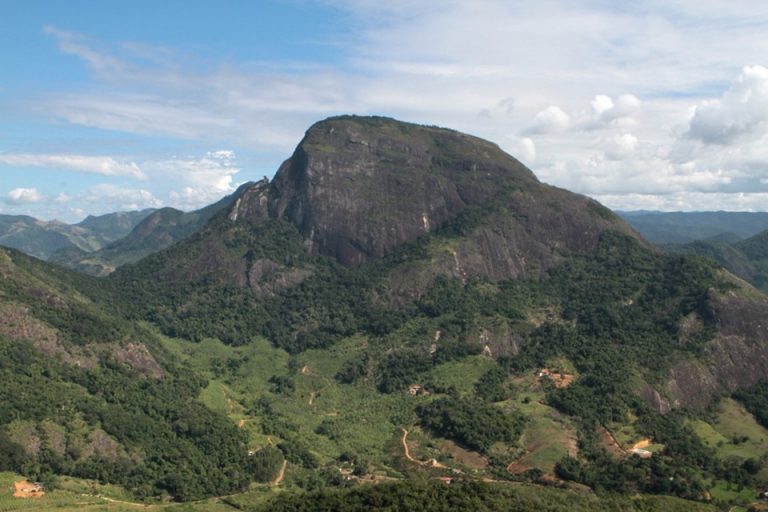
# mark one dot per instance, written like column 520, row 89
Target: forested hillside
column 401, row 305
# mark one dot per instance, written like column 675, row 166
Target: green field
column 462, row 374
column 734, row 432
column 548, row 435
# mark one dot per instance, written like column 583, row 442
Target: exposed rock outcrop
column 359, row 187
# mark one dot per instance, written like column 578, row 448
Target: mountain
column 746, row 258
column 404, row 303
column 364, row 190
column 42, row 239
column 407, row 211
column 113, row 226
column 155, row 232
column 685, row 227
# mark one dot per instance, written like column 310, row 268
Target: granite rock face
column 736, row 358
column 359, row 187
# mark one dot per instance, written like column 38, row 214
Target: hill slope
column 161, row 229
column 746, row 258
column 85, row 393
column 42, row 239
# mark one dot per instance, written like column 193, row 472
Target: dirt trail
column 281, row 474
column 110, row 500
column 613, row 444
column 560, row 380
column 639, row 448
column 406, row 449
column 516, row 467
column 431, row 462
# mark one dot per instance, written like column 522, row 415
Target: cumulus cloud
column 605, row 110
column 19, row 196
column 108, row 197
column 525, row 149
column 103, row 165
column 741, row 112
column 621, row 146
column 205, row 179
column 551, row 119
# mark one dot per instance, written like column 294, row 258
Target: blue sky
column 109, row 106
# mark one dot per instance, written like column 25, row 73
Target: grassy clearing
column 361, row 420
column 547, row 440
column 78, row 495
column 548, row 436
column 730, row 493
column 462, row 374
column 626, row 434
column 216, row 398
column 734, row 432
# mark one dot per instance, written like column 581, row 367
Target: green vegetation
column 475, row 426
column 280, row 370
column 476, row 496
column 92, row 413
column 756, row 401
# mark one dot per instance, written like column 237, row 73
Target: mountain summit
column 357, row 188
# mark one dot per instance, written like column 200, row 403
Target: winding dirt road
column 281, row 474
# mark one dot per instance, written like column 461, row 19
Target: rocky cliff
column 359, row 187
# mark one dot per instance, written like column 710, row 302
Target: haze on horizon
column 654, row 105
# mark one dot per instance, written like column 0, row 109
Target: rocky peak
column 251, row 204
column 357, row 187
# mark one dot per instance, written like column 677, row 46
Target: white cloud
column 601, row 104
column 76, row 44
column 525, row 149
column 103, row 165
column 551, row 119
column 686, row 201
column 205, row 179
column 107, row 197
column 607, row 111
column 24, row 196
column 741, row 112
column 621, row 147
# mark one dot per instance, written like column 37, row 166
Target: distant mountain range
column 158, row 230
column 99, row 244
column 43, row 239
column 685, row 227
